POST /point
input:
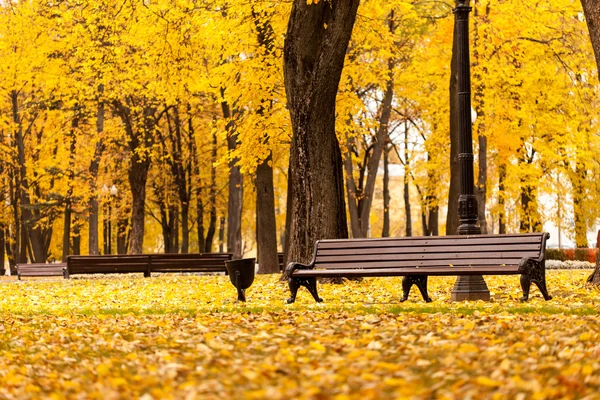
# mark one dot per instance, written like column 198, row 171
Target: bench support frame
column 420, row 281
column 533, row 270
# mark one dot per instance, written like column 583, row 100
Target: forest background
column 144, row 126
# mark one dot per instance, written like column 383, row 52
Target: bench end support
column 533, row 270
column 420, row 281
column 294, row 284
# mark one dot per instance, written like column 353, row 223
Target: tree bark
column 94, row 166
column 212, row 198
column 594, row 278
column 502, row 211
column 266, row 228
column 236, row 188
column 314, row 51
column 591, row 9
column 69, row 194
column 406, row 183
column 452, row 220
column 385, row 232
column 351, row 190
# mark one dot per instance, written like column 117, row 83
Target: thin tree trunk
column 577, row 182
column 351, row 190
column 502, row 211
column 212, row 197
column 265, row 219
column 314, row 51
column 94, row 166
column 479, row 74
column 452, row 220
column 406, row 182
column 385, row 232
column 236, row 189
column 69, row 194
column 221, row 233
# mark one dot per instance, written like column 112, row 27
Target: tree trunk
column 594, row 278
column 266, row 228
column 351, row 190
column 94, row 166
column 452, row 220
column 385, row 232
column 69, row 194
column 315, row 47
column 236, row 189
column 406, row 183
column 2, row 249
column 212, row 197
column 30, row 234
column 501, row 212
column 480, row 73
column 591, row 9
column 221, row 233
column 578, row 178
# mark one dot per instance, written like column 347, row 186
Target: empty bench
column 416, row 258
column 40, row 269
column 146, row 263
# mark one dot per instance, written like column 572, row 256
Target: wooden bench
column 41, row 269
column 146, row 263
column 416, row 258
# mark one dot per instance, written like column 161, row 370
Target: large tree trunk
column 314, row 51
column 591, row 9
column 452, row 220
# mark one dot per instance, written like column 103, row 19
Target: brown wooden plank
column 356, row 272
column 442, row 249
column 429, row 241
column 414, row 263
column 425, row 256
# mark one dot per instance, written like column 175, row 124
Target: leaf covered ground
column 184, row 337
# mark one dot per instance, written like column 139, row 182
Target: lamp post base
column 470, row 287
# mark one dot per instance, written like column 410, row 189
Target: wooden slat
column 430, row 241
column 415, row 263
column 424, row 256
column 433, row 249
column 446, row 271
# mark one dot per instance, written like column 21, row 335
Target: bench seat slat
column 414, row 263
column 504, row 255
column 431, row 271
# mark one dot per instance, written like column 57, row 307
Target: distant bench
column 146, row 263
column 416, row 258
column 40, row 269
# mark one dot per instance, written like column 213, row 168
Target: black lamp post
column 466, row 287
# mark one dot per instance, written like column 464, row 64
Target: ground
column 184, row 337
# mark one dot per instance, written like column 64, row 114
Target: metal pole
column 466, row 287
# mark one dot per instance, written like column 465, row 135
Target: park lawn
column 184, row 337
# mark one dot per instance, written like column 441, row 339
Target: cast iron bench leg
column 308, row 283
column 533, row 271
column 420, row 281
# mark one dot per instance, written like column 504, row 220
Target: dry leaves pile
column 184, row 337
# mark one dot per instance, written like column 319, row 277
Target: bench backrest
column 107, row 264
column 146, row 263
column 430, row 251
column 205, row 262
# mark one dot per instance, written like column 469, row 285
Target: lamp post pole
column 466, row 287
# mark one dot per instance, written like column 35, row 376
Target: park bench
column 146, row 263
column 416, row 258
column 40, row 269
